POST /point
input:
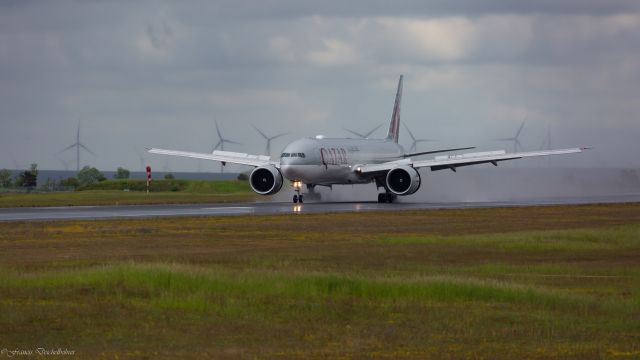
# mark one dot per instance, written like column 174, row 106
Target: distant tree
column 70, row 182
column 5, row 179
column 121, row 173
column 28, row 178
column 243, row 177
column 90, row 175
column 18, row 181
column 169, row 176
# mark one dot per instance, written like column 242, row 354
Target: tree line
column 28, row 179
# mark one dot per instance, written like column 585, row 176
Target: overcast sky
column 156, row 73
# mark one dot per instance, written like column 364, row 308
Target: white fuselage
column 327, row 161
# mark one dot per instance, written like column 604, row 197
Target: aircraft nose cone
column 289, row 172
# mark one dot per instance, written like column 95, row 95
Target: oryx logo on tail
column 394, row 127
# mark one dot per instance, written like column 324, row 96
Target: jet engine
column 266, row 180
column 403, row 180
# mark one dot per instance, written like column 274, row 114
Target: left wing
column 454, row 161
column 222, row 156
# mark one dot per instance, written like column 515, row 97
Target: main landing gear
column 386, row 198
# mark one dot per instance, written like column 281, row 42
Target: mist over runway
column 486, row 183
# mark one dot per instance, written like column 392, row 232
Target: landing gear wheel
column 386, row 198
column 300, row 199
column 295, row 199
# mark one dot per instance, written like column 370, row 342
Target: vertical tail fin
column 394, row 127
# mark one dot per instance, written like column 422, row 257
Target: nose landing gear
column 297, row 198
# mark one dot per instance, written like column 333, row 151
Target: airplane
column 331, row 161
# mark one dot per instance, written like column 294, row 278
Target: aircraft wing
column 454, row 161
column 222, row 156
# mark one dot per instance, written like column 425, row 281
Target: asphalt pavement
column 272, row 208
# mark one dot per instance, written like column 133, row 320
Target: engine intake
column 266, row 180
column 403, row 180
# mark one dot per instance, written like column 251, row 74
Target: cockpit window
column 284, row 155
column 301, row 155
column 294, row 155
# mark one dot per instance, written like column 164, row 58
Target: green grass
column 174, row 286
column 314, row 310
column 441, row 284
column 560, row 240
column 111, row 192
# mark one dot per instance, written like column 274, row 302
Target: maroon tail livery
column 394, row 127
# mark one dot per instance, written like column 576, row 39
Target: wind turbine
column 221, row 143
column 268, row 148
column 517, row 145
column 77, row 145
column 364, row 136
column 415, row 142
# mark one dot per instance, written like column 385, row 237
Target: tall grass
column 222, row 291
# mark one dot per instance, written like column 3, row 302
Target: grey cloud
column 158, row 73
column 405, row 8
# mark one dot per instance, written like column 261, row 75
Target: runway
column 272, row 208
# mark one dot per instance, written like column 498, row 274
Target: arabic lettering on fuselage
column 333, row 156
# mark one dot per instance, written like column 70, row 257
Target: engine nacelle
column 403, row 180
column 266, row 180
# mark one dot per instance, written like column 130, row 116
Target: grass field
column 511, row 283
column 111, row 193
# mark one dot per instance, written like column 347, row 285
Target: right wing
column 493, row 157
column 222, row 156
column 452, row 162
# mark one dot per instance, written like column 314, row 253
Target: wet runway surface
column 271, row 208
